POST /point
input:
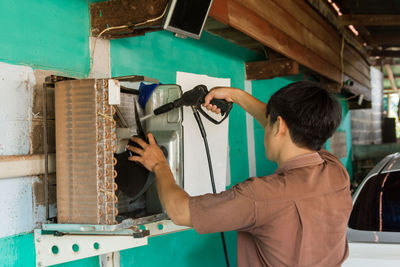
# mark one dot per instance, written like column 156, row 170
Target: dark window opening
column 377, row 207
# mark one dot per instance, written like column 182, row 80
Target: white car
column 374, row 225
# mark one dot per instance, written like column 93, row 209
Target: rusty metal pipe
column 26, row 165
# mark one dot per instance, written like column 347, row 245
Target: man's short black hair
column 311, row 113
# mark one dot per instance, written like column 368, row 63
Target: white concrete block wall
column 16, row 93
column 16, row 199
column 366, row 123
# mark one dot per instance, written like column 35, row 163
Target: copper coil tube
column 98, row 137
column 108, row 159
column 108, row 186
column 100, row 200
column 115, row 186
column 109, row 198
column 107, row 146
column 99, row 162
column 98, row 124
column 98, row 99
column 100, row 175
column 114, row 161
column 115, row 174
column 105, row 83
column 113, row 110
column 106, row 108
column 115, row 199
column 108, row 172
column 99, row 149
column 108, row 210
column 115, row 212
column 105, row 96
column 114, row 148
column 113, row 136
column 107, row 135
column 114, row 123
column 100, row 213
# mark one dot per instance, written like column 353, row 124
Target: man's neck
column 292, row 151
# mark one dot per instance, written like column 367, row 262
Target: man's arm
column 249, row 103
column 173, row 198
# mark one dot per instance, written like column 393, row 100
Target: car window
column 377, row 207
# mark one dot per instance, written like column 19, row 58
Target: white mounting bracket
column 78, row 241
column 52, row 249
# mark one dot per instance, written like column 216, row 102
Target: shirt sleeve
column 230, row 210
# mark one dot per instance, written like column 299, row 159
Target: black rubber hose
column 204, row 135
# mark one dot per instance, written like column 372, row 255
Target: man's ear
column 281, row 126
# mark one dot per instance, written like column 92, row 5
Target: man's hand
column 226, row 93
column 150, row 155
column 173, row 198
column 250, row 104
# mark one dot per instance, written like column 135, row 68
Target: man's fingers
column 151, row 138
column 135, row 150
column 218, row 111
column 208, row 98
column 139, row 141
column 136, row 158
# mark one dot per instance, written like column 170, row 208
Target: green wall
column 46, row 34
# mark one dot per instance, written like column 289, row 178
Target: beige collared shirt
column 295, row 217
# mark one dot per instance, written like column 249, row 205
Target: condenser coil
column 85, row 134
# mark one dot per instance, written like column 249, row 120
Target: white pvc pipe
column 25, row 165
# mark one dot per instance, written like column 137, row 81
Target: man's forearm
column 252, row 105
column 173, row 198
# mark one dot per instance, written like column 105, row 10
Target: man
column 294, row 217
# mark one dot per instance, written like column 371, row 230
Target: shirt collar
column 300, row 161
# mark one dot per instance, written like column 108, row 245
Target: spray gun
column 195, row 98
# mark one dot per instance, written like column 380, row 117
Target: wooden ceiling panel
column 294, row 29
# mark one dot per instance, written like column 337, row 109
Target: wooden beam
column 219, row 11
column 370, row 20
column 262, row 70
column 235, row 36
column 354, row 104
column 313, row 21
column 384, row 53
column 384, row 39
column 378, row 62
column 125, row 12
column 280, row 15
column 356, row 88
column 390, row 91
column 324, row 8
column 295, row 30
column 391, row 76
column 243, row 17
column 355, row 66
column 329, row 85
